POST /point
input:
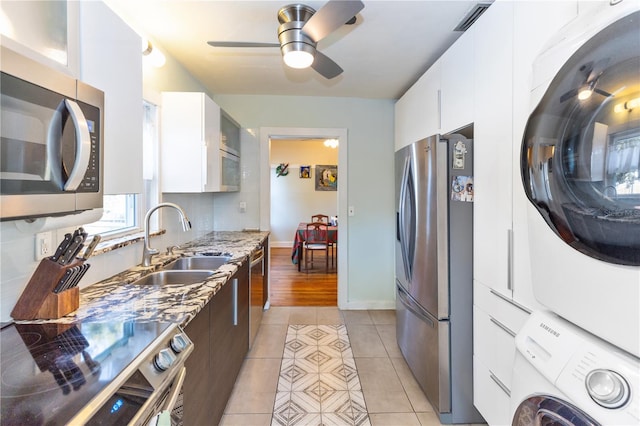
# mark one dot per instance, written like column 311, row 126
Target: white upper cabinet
column 200, row 145
column 111, row 60
column 190, row 124
column 417, row 113
column 493, row 148
column 457, row 84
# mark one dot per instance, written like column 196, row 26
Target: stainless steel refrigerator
column 434, row 267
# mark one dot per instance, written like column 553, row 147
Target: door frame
column 268, row 133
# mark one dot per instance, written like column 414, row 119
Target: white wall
column 370, row 186
column 293, row 199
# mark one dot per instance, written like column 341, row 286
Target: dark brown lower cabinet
column 198, row 365
column 212, row 372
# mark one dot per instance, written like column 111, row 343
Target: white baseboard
column 369, row 305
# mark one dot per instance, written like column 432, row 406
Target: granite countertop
column 115, row 299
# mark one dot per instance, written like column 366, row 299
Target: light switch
column 352, row 211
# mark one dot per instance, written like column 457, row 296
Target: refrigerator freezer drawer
column 424, row 342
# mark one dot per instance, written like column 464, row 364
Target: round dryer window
column 545, row 410
column 580, row 158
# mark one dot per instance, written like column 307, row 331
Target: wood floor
column 292, row 288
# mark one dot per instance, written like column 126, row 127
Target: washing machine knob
column 607, row 388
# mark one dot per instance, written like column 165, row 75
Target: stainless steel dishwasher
column 256, row 281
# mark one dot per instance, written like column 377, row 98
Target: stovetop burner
column 50, row 371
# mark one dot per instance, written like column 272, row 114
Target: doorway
column 299, row 190
column 266, row 137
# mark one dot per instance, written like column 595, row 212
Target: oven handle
column 175, row 392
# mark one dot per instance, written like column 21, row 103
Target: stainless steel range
column 90, row 372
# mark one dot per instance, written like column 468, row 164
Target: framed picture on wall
column 305, row 172
column 326, row 178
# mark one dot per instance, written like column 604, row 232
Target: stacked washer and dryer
column 578, row 363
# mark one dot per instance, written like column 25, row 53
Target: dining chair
column 325, row 219
column 320, row 218
column 316, row 239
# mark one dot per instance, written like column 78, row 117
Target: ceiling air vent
column 472, row 16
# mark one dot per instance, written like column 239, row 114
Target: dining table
column 297, row 254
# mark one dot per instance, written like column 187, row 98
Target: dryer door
column 580, row 156
column 543, row 410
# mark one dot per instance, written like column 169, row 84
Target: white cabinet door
column 190, row 144
column 457, row 84
column 110, row 60
column 417, row 113
column 493, row 147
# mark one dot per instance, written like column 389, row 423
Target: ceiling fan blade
column 325, row 66
column 241, row 44
column 330, row 17
column 597, row 69
column 568, row 95
column 602, row 92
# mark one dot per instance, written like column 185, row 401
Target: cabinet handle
column 512, row 302
column 500, row 384
column 439, row 108
column 510, row 259
column 235, row 301
column 503, row 327
column 205, row 166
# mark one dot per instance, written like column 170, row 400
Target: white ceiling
column 392, row 44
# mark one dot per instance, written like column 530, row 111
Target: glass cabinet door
column 38, row 25
column 229, row 134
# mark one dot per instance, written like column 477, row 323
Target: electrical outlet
column 243, row 207
column 351, row 211
column 44, row 245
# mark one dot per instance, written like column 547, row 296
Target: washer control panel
column 600, row 379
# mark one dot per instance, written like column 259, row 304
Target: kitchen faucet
column 147, row 251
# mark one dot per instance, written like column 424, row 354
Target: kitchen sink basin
column 164, row 278
column 209, row 263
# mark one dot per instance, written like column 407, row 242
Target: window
column 119, row 215
column 124, row 213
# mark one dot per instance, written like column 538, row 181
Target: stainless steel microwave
column 51, row 141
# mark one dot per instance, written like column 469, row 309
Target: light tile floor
column 384, row 385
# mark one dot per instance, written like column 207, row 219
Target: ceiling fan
column 300, row 30
column 592, row 73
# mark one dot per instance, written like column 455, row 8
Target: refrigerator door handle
column 406, row 255
column 413, row 307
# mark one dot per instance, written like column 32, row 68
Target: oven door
column 171, row 408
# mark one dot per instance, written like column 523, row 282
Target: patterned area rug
column 318, row 383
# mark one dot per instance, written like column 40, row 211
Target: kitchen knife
column 78, row 276
column 72, row 250
column 91, row 247
column 62, row 247
column 60, row 286
column 84, row 236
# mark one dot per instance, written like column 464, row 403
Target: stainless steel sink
column 210, row 263
column 164, row 278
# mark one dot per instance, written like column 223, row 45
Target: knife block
column 38, row 301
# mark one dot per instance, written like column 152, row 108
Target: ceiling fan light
column 298, row 59
column 585, row 93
